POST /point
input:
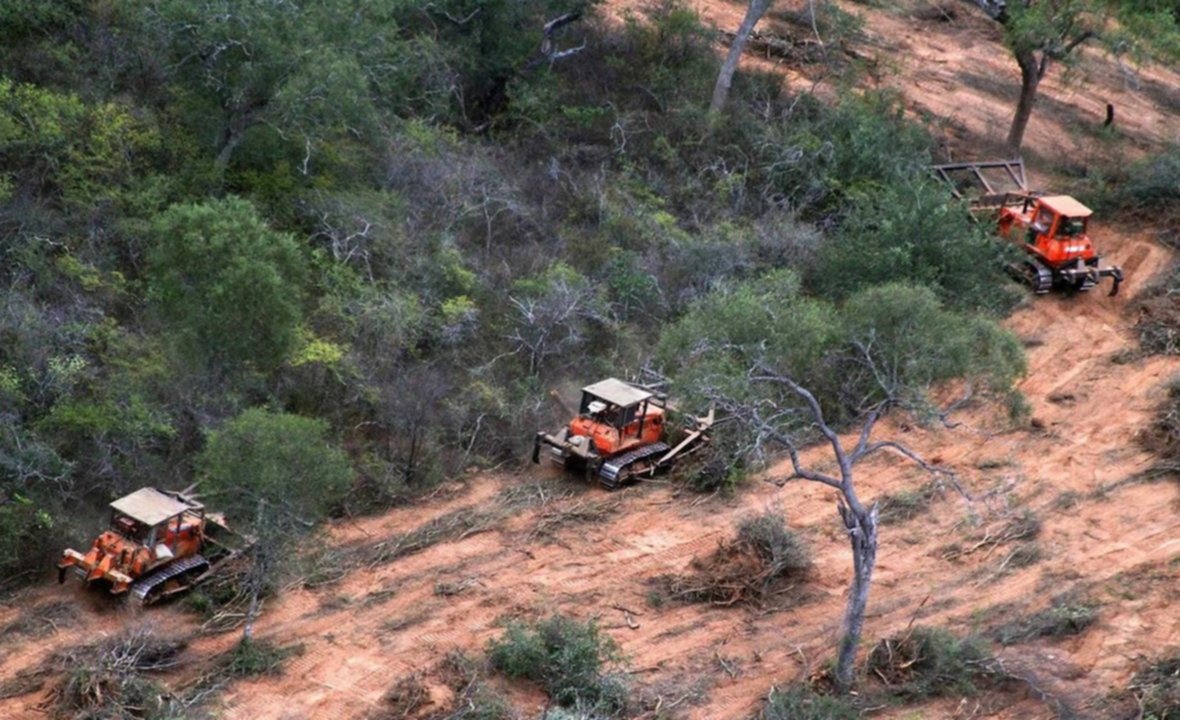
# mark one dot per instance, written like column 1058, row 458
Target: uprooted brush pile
column 1162, row 437
column 1157, row 688
column 111, row 678
column 461, row 692
column 927, row 662
column 765, row 560
column 1159, row 315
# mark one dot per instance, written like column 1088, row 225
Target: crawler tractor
column 619, row 433
column 158, row 544
column 1051, row 228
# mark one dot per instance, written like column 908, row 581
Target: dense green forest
column 370, row 236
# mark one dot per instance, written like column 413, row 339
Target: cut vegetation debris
column 1162, row 437
column 927, row 662
column 1018, row 527
column 763, row 561
column 1157, row 688
column 111, row 678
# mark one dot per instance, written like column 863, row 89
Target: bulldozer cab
column 156, row 520
column 616, row 403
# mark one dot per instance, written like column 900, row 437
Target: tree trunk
column 256, row 577
column 251, row 616
column 862, row 533
column 231, row 137
column 754, row 13
column 1031, row 73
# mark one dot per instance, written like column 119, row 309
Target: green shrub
column 915, row 234
column 907, row 504
column 278, row 460
column 928, row 662
column 251, row 658
column 802, row 703
column 1149, row 187
column 565, row 657
column 227, row 287
column 1064, row 617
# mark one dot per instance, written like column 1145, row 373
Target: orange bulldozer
column 158, row 544
column 619, row 433
column 1053, row 230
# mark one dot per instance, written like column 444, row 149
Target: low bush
column 780, row 549
column 250, row 658
column 801, row 703
column 907, row 504
column 1150, row 187
column 928, row 662
column 1065, row 616
column 567, row 658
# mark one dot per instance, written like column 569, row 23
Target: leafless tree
column 555, row 321
column 791, row 424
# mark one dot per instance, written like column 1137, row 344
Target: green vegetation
column 802, row 703
column 567, row 658
column 929, row 662
column 274, row 459
column 907, row 504
column 1065, row 616
column 409, row 229
column 1149, row 188
column 769, row 325
column 225, row 287
column 250, row 658
column 1157, row 688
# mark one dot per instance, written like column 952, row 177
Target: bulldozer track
column 612, row 474
column 142, row 589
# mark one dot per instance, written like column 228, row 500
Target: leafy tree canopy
column 282, row 461
column 229, row 288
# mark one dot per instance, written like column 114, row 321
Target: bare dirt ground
column 948, row 61
column 550, row 544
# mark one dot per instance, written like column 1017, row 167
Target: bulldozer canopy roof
column 617, row 392
column 150, row 506
column 1067, row 206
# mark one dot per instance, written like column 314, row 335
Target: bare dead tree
column 754, row 13
column 549, row 51
column 770, row 421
